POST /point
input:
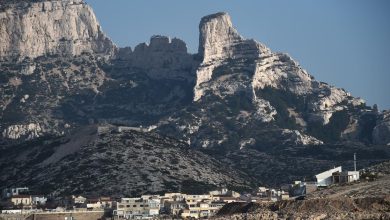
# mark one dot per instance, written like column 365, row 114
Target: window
column 134, row 206
column 128, row 206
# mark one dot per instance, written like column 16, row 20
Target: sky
column 344, row 43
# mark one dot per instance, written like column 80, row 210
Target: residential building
column 202, row 209
column 225, row 198
column 9, row 192
column 222, row 191
column 326, row 178
column 345, row 177
column 99, row 203
column 175, row 207
column 24, row 200
column 78, row 199
column 38, row 200
column 137, row 208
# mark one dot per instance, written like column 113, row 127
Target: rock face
column 219, row 43
column 381, row 133
column 28, row 132
column 242, row 88
column 58, row 27
column 227, row 55
column 163, row 58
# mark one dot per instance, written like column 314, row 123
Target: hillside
column 104, row 161
column 366, row 199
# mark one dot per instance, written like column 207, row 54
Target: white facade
column 39, row 200
column 79, row 199
column 349, row 176
column 138, row 208
column 9, row 192
column 326, row 178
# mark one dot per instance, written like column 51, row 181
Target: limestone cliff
column 219, row 43
column 162, row 58
column 381, row 133
column 233, row 64
column 59, row 27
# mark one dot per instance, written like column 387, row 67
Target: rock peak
column 215, row 30
column 60, row 27
column 218, row 16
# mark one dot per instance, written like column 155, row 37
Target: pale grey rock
column 280, row 71
column 61, row 27
column 252, row 66
column 162, row 58
column 27, row 131
column 264, row 110
column 220, row 43
column 381, row 133
column 297, row 138
column 247, row 142
column 28, row 69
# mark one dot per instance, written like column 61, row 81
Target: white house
column 9, row 192
column 346, row 177
column 137, row 208
column 326, row 178
column 38, row 200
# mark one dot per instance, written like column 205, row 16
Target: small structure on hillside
column 337, row 176
column 345, row 177
column 326, row 178
column 299, row 188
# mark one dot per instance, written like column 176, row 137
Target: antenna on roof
column 354, row 160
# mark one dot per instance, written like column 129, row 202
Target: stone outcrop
column 381, row 133
column 57, row 27
column 27, row 131
column 162, row 58
column 219, row 43
column 296, row 138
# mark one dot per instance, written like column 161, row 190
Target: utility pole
column 354, row 160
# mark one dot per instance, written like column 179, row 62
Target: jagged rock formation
column 38, row 96
column 220, row 43
column 381, row 134
column 62, row 27
column 260, row 90
column 258, row 68
column 163, row 58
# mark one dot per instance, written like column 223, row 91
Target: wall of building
column 61, row 216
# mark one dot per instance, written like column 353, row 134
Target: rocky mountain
column 246, row 91
column 234, row 104
column 32, row 29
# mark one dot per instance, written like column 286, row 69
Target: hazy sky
column 344, row 43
